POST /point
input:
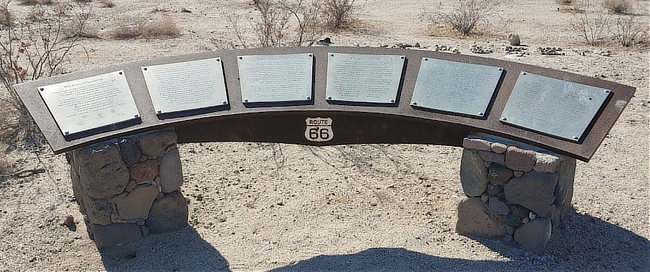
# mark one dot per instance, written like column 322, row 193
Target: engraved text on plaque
column 364, row 78
column 276, row 78
column 556, row 107
column 455, row 87
column 90, row 103
column 185, row 86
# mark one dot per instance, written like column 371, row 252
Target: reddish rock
column 145, row 171
column 519, row 159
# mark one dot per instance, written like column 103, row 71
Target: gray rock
column 564, row 188
column 546, row 163
column 130, row 152
column 98, row 211
column 474, row 219
column 136, row 205
column 476, row 144
column 156, row 142
column 473, row 174
column 168, row 213
column 519, row 159
column 102, row 173
column 498, row 148
column 492, row 157
column 519, row 211
column 499, row 174
column 497, row 206
column 513, row 39
column 115, row 234
column 535, row 235
column 511, row 220
column 171, row 171
column 494, row 190
column 485, row 197
column 533, row 190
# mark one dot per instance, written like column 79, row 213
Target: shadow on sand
column 177, row 251
column 587, row 244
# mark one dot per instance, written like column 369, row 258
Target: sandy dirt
column 264, row 206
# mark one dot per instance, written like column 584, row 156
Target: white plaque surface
column 276, row 78
column 90, row 103
column 187, row 85
column 363, row 78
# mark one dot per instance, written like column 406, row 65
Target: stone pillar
column 515, row 191
column 129, row 187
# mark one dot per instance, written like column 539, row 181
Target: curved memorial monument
column 522, row 126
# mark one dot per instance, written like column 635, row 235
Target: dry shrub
column 338, row 12
column 138, row 27
column 128, row 28
column 617, row 6
column 6, row 17
column 466, row 16
column 29, row 51
column 163, row 27
column 629, row 30
column 277, row 24
column 592, row 26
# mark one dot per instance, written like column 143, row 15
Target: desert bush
column 162, row 27
column 591, row 26
column 617, row 6
column 337, row 12
column 278, row 23
column 29, row 51
column 628, row 30
column 5, row 15
column 139, row 27
column 466, row 16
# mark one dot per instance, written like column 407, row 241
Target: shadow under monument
column 587, row 244
column 183, row 250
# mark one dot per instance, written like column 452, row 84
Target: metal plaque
column 276, row 78
column 455, row 87
column 185, row 86
column 90, row 103
column 556, row 107
column 364, row 78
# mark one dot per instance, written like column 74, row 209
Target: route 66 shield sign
column 319, row 129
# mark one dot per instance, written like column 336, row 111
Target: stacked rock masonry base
column 514, row 192
column 129, row 187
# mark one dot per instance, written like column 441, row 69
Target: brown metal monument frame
column 353, row 123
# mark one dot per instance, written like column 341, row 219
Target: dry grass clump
column 137, row 27
column 163, row 27
column 617, row 6
column 466, row 16
column 628, row 30
column 338, row 12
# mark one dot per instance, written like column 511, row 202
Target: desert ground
column 266, row 206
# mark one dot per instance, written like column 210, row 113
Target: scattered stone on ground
column 513, row 39
column 556, row 51
column 477, row 49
